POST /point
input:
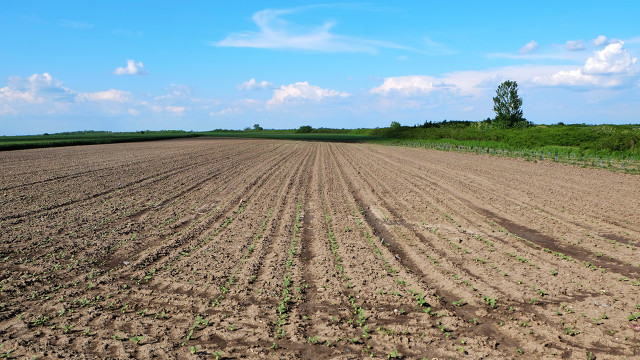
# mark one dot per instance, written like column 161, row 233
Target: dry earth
column 207, row 248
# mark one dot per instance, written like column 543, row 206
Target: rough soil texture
column 206, row 248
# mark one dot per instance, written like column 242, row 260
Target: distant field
column 86, row 138
column 106, row 137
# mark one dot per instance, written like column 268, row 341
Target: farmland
column 254, row 248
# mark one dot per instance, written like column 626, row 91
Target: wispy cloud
column 529, row 47
column 601, row 40
column 176, row 91
column 574, row 45
column 108, row 95
column 254, row 85
column 276, row 33
column 132, row 68
column 436, row 48
column 409, row 85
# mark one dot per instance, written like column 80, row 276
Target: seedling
column 136, row 339
column 571, row 332
column 193, row 350
column 40, row 321
column 394, row 354
column 634, row 316
column 490, row 301
column 533, row 301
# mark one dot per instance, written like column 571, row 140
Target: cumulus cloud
column 276, row 33
column 529, row 47
column 302, row 91
column 574, row 45
column 613, row 59
column 254, row 85
column 601, row 40
column 37, row 88
column 612, row 66
column 408, row 85
column 109, row 95
column 132, row 68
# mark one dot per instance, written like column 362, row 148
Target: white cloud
column 609, row 67
column 133, row 112
column 613, row 59
column 302, row 91
column 574, row 45
column 37, row 88
column 408, row 85
column 463, row 84
column 529, row 47
column 175, row 110
column 225, row 111
column 109, row 95
column 254, row 85
column 276, row 33
column 601, row 40
column 133, row 68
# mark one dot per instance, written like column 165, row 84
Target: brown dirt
column 279, row 249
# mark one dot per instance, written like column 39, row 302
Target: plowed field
column 206, row 248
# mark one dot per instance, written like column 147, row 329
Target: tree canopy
column 508, row 106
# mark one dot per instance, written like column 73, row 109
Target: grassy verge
column 608, row 146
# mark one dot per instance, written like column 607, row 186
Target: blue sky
column 201, row 65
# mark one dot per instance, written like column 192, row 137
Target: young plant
column 394, row 354
column 490, row 301
column 136, row 339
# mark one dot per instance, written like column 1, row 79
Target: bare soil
column 218, row 248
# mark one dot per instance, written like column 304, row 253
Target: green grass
column 617, row 141
column 87, row 138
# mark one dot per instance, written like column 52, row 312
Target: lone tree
column 508, row 106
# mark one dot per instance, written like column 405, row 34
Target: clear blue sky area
column 202, row 65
